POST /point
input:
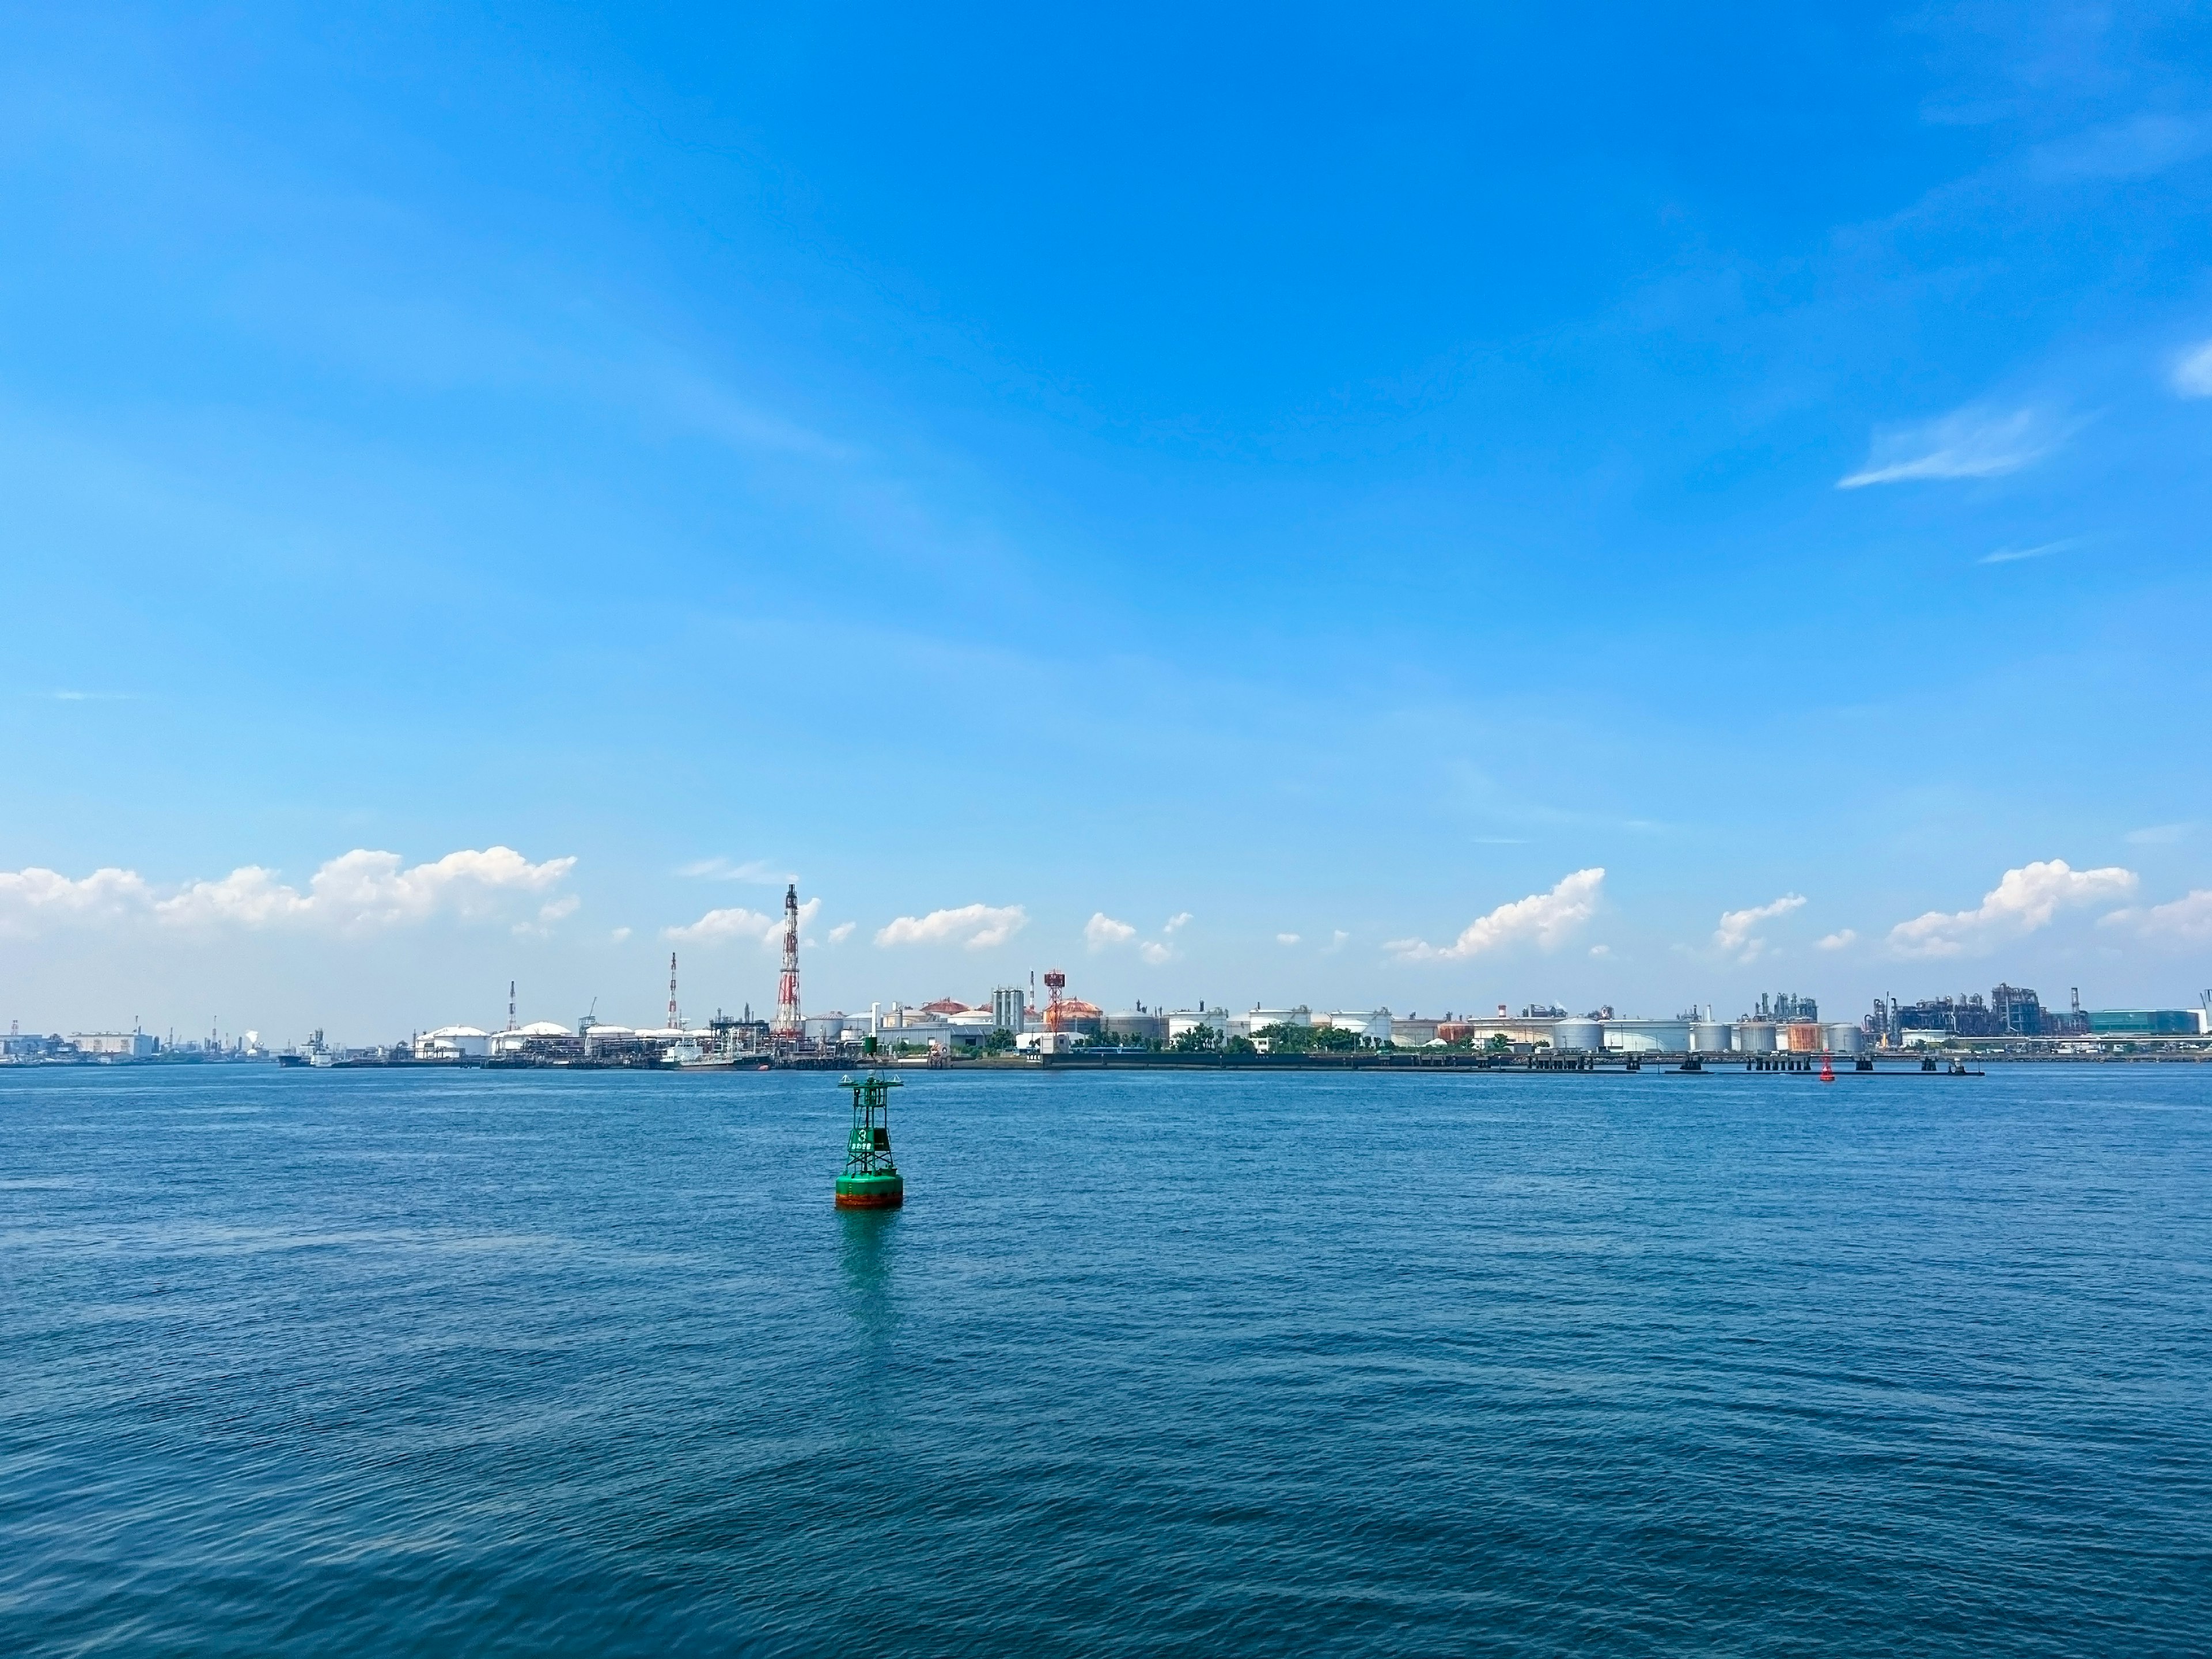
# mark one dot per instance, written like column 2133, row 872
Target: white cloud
column 1546, row 919
column 1104, row 933
column 2024, row 900
column 1841, row 939
column 1601, row 950
column 2041, row 550
column 978, row 926
column 759, row 871
column 1733, row 936
column 764, row 928
column 1101, row 930
column 1336, row 942
column 2158, row 835
column 1286, row 939
column 356, row 890
column 1175, row 922
column 2192, row 374
column 1975, row 442
column 840, row 932
column 2185, row 920
column 619, row 934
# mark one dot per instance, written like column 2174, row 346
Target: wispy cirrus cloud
column 976, row 927
column 357, row 891
column 758, row 870
column 2024, row 900
column 2192, row 371
column 1547, row 919
column 1974, row 442
column 2158, row 835
column 2040, row 550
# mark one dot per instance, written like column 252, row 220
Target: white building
column 114, row 1045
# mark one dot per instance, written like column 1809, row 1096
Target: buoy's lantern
column 871, row 1180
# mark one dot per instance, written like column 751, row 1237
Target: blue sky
column 491, row 491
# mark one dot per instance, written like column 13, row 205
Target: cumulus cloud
column 1734, row 937
column 2024, row 901
column 1974, row 442
column 978, row 926
column 2185, row 921
column 357, row 891
column 1286, row 939
column 1101, row 930
column 2192, row 373
column 762, row 927
column 1842, row 938
column 840, row 932
column 1546, row 919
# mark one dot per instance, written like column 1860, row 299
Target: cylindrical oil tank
column 1584, row 1035
column 1708, row 1037
column 1647, row 1036
column 1754, row 1036
column 1845, row 1039
column 1803, row 1037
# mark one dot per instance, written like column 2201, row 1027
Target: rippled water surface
column 479, row 1363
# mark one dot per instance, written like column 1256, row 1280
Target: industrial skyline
column 1458, row 506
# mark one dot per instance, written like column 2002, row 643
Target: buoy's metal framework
column 871, row 1181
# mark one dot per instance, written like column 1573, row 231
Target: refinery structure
column 1013, row 1025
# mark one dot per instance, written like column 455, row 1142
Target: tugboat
column 871, row 1181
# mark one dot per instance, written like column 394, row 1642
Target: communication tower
column 671, row 991
column 790, row 1024
column 1055, row 986
column 510, row 1005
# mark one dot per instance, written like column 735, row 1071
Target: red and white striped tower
column 790, row 1024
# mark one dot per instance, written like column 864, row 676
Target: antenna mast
column 671, row 991
column 790, row 1024
column 510, row 1005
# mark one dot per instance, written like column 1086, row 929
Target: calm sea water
column 348, row 1363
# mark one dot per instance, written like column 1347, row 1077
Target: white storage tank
column 1708, row 1037
column 1647, row 1036
column 1845, row 1039
column 1585, row 1035
column 1754, row 1036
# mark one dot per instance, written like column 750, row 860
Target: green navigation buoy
column 871, row 1180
